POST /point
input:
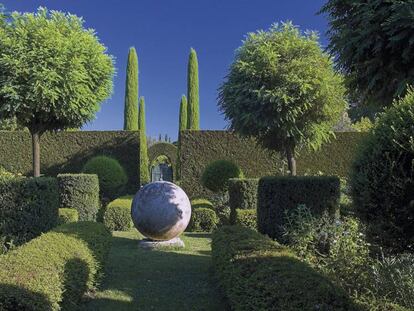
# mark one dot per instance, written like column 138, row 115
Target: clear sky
column 163, row 31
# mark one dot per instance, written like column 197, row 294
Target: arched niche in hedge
column 163, row 149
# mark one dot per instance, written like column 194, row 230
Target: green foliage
column 10, row 125
column 28, row 207
column 277, row 195
column 216, row 175
column 242, row 195
column 67, row 215
column 6, row 175
column 112, row 176
column 54, row 271
column 81, row 192
column 371, row 43
column 143, row 151
column 246, row 218
column 117, row 216
column 259, row 274
column 202, row 220
column 197, row 203
column 131, row 92
column 382, row 180
column 163, row 149
column 363, row 125
column 193, row 112
column 282, row 89
column 183, row 121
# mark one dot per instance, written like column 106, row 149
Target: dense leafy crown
column 54, row 73
column 282, row 87
column 373, row 44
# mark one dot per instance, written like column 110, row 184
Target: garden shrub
column 28, row 207
column 67, row 215
column 279, row 194
column 217, row 174
column 382, row 179
column 258, row 274
column 203, row 220
column 242, row 195
column 117, row 216
column 81, row 192
column 53, row 271
column 196, row 203
column 112, row 176
column 246, row 218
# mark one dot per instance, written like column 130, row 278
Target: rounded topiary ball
column 382, row 179
column 217, row 174
column 112, row 176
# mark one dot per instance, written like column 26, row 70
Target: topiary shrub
column 112, row 176
column 67, row 215
column 216, row 175
column 197, row 203
column 277, row 195
column 382, row 178
column 81, row 192
column 53, row 271
column 258, row 274
column 242, row 195
column 246, row 218
column 28, row 207
column 202, row 220
column 117, row 216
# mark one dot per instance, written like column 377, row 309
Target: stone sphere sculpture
column 161, row 211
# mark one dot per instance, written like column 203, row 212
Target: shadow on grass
column 14, row 298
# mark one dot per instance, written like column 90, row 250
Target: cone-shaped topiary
column 143, row 148
column 193, row 114
column 131, row 92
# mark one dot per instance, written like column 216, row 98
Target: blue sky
column 163, row 31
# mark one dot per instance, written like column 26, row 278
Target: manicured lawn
column 139, row 279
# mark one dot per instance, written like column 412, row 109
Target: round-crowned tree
column 283, row 90
column 54, row 73
column 111, row 175
column 382, row 179
column 216, row 175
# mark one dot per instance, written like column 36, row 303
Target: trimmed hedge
column 259, row 274
column 81, row 192
column 67, row 215
column 163, row 148
column 198, row 148
column 197, row 203
column 216, row 175
column 202, row 220
column 28, row 207
column 242, row 195
column 246, row 218
column 52, row 272
column 67, row 152
column 117, row 216
column 276, row 195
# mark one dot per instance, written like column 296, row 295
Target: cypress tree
column 143, row 148
column 131, row 92
column 183, row 121
column 193, row 113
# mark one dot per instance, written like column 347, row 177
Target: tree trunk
column 290, row 154
column 36, row 153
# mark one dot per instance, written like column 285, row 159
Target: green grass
column 138, row 279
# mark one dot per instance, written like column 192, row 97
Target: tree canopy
column 282, row 89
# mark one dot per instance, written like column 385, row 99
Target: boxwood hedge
column 246, row 218
column 117, row 215
column 203, row 220
column 67, row 215
column 242, row 195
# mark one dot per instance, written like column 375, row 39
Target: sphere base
column 153, row 244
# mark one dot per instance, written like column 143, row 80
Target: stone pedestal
column 153, row 244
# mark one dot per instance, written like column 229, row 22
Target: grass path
column 137, row 279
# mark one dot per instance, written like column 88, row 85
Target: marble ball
column 161, row 211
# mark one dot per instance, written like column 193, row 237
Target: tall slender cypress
column 131, row 92
column 193, row 114
column 183, row 121
column 143, row 148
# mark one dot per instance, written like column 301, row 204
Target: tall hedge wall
column 198, row 148
column 67, row 152
column 163, row 148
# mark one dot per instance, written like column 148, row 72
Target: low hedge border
column 258, row 274
column 246, row 218
column 203, row 220
column 67, row 215
column 117, row 215
column 279, row 194
column 53, row 271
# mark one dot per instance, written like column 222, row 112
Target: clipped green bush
column 112, row 176
column 382, row 178
column 246, row 218
column 276, row 195
column 242, row 195
column 197, row 203
column 53, row 271
column 258, row 274
column 67, row 215
column 217, row 174
column 81, row 192
column 203, row 220
column 117, row 216
column 28, row 207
